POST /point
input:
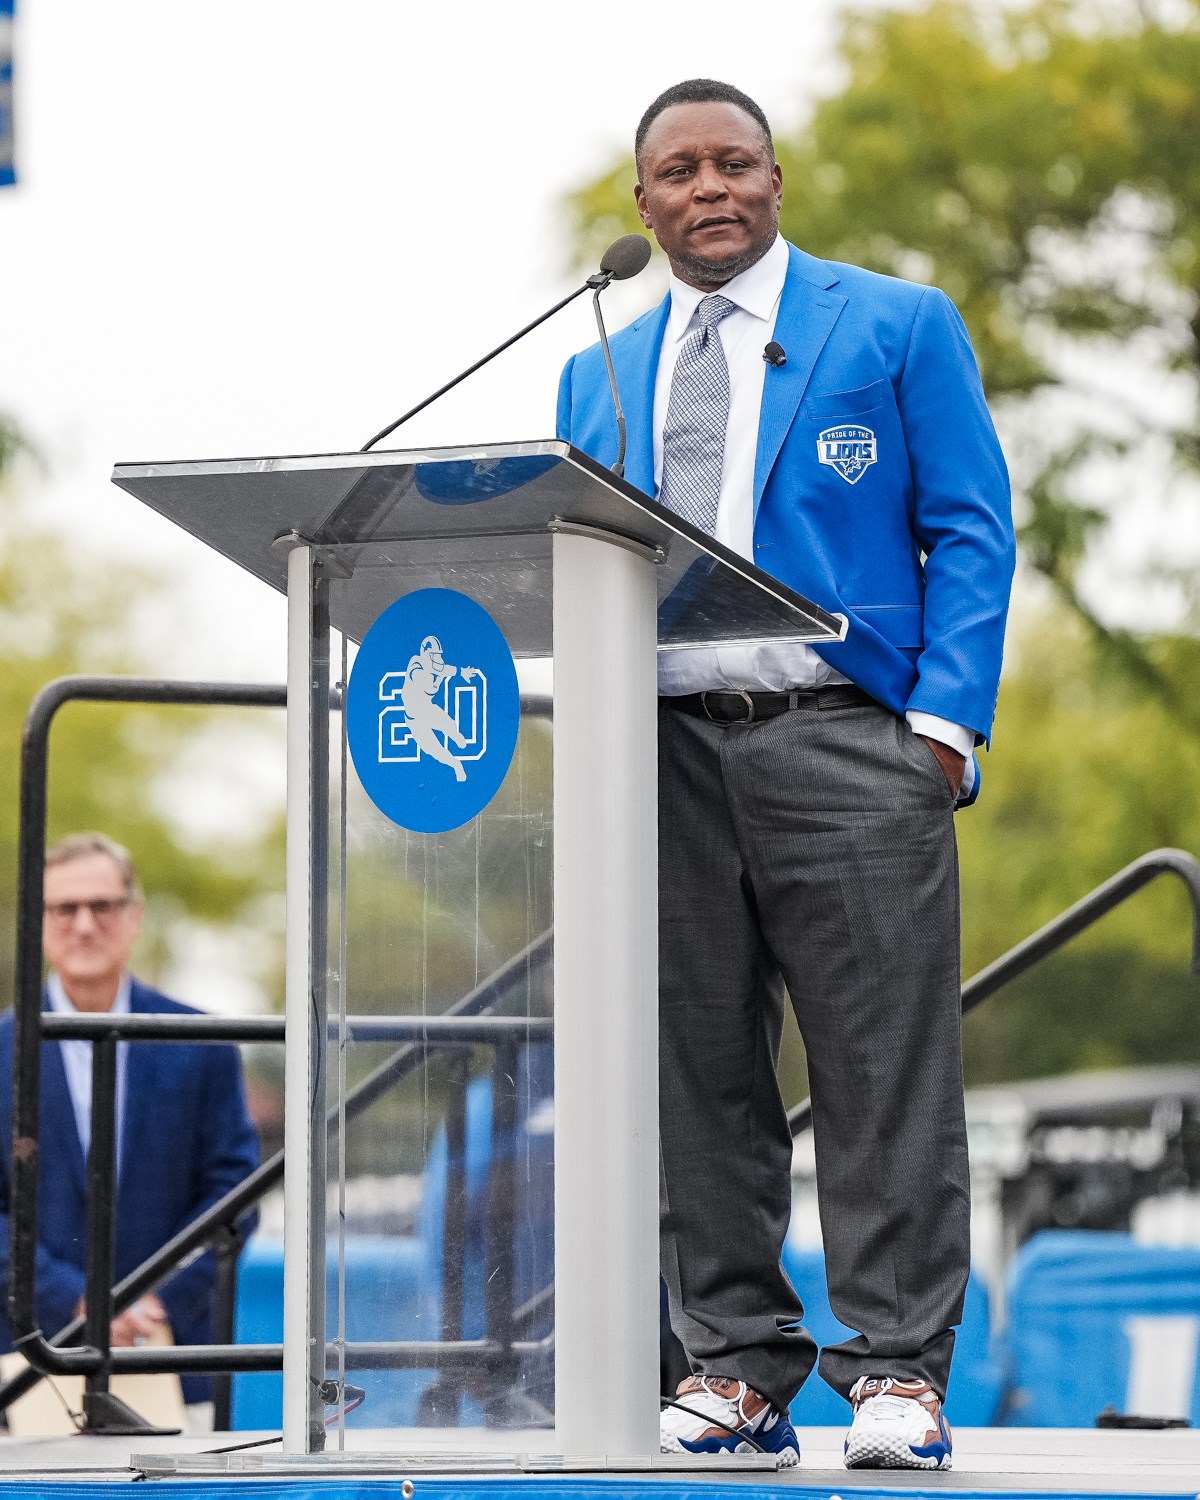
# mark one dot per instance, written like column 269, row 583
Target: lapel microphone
column 775, row 354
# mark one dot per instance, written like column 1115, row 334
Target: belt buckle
column 741, row 693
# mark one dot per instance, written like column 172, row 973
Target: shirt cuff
column 948, row 733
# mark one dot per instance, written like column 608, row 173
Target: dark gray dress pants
column 813, row 851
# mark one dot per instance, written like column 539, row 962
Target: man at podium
column 829, row 424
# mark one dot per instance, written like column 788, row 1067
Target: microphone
column 623, row 258
column 774, row 354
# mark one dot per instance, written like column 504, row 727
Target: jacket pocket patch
column 849, row 450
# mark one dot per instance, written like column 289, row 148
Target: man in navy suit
column 829, row 424
column 184, row 1136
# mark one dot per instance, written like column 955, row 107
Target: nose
column 84, row 919
column 708, row 182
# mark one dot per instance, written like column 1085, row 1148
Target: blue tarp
column 1093, row 1319
column 386, row 1281
column 393, row 1284
column 1068, row 1351
column 1073, row 1299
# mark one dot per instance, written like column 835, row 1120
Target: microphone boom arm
column 487, row 358
column 624, row 258
column 619, row 467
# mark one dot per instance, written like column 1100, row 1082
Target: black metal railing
column 1067, row 925
column 465, row 1025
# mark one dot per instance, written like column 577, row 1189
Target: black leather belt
column 734, row 706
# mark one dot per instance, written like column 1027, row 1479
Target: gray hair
column 85, row 845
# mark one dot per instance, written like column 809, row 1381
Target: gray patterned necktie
column 697, row 415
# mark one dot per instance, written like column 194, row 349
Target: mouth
column 715, row 221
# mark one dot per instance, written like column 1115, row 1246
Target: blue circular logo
column 432, row 710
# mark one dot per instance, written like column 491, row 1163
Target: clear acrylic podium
column 574, row 564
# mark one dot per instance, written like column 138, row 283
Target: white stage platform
column 988, row 1461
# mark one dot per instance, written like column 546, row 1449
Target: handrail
column 429, row 1031
column 1060, row 930
column 51, row 1356
column 27, row 990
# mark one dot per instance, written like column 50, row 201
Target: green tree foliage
column 63, row 611
column 1088, row 774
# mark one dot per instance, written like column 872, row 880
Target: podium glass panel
column 440, row 1192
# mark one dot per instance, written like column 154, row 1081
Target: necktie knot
column 712, row 309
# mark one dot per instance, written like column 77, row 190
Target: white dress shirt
column 77, row 1060
column 743, row 334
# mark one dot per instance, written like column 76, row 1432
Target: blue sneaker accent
column 778, row 1437
column 898, row 1424
column 939, row 1450
column 724, row 1416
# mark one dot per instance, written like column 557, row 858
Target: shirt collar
column 756, row 290
column 61, row 1001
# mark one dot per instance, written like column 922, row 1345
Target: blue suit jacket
column 918, row 550
column 186, row 1140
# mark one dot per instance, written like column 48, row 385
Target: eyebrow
column 685, row 154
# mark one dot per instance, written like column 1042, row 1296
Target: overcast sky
column 269, row 226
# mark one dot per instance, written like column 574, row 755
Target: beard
column 703, row 270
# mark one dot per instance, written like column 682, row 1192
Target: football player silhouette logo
column 427, row 673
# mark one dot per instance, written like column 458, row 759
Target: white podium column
column 304, row 1009
column 605, row 997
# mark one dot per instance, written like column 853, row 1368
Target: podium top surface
column 477, row 519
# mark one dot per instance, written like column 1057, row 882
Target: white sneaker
column 721, row 1415
column 898, row 1424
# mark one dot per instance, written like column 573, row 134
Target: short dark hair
column 699, row 91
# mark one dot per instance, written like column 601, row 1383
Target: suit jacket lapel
column 135, row 1096
column 635, row 362
column 58, row 1112
column 807, row 312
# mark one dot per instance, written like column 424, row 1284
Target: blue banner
column 7, row 171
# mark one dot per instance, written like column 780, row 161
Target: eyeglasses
column 103, row 910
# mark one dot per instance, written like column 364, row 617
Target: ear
column 639, row 198
column 777, row 180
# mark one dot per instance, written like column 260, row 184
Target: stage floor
column 988, row 1461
